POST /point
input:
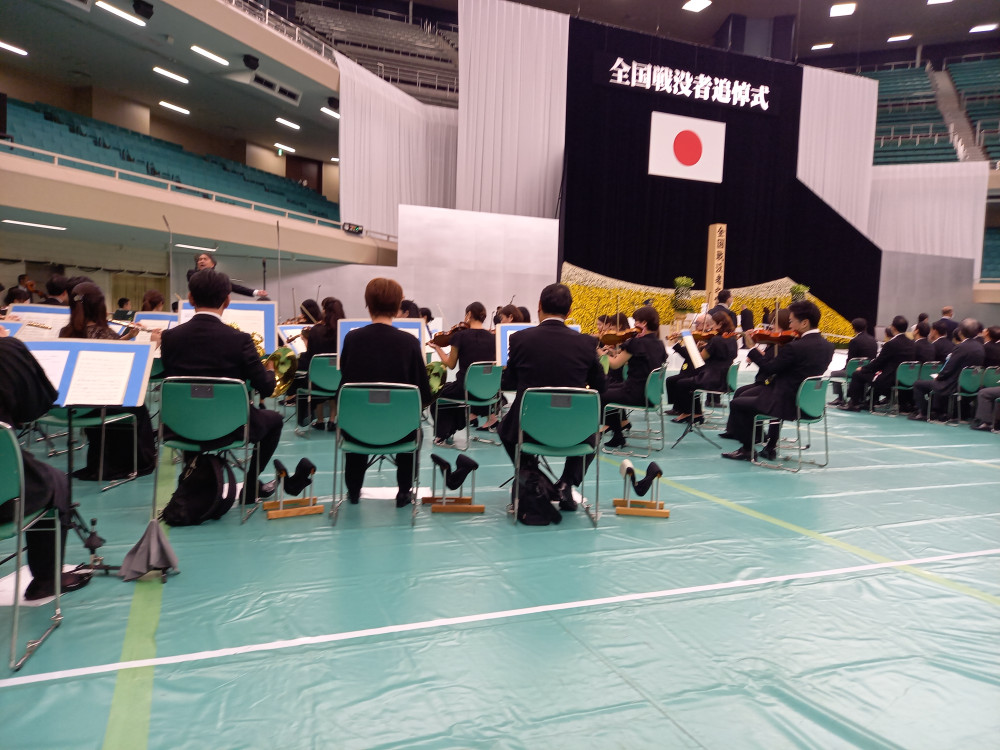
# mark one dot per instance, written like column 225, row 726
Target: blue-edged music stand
column 299, row 344
column 413, row 326
column 12, row 326
column 50, row 319
column 155, row 319
column 503, row 332
column 265, row 314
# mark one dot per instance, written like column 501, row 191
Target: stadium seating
column 108, row 147
column 978, row 83
column 990, row 270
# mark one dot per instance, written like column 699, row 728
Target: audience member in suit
column 991, row 348
column 949, row 322
column 968, row 353
column 550, row 355
column 207, row 347
column 25, row 395
column 807, row 356
column 940, row 337
column 862, row 346
column 725, row 299
column 642, row 354
column 379, row 353
column 719, row 351
column 880, row 373
column 204, row 261
column 923, row 349
column 986, row 415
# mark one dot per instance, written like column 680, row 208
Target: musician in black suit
column 923, row 349
column 880, row 372
column 968, row 353
column 380, row 353
column 948, row 321
column 991, row 347
column 725, row 299
column 550, row 355
column 204, row 261
column 862, row 346
column 804, row 357
column 207, row 347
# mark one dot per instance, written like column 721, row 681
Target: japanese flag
column 686, row 148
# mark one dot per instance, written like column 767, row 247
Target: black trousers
column 573, row 470
column 46, row 487
column 356, row 464
column 450, row 418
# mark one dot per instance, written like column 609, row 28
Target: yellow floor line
column 853, row 549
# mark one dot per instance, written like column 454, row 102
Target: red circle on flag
column 687, row 147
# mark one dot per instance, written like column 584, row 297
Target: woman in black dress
column 643, row 354
column 320, row 339
column 718, row 351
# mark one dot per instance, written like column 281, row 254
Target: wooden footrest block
column 431, row 500
column 650, row 504
column 457, row 508
column 294, row 502
column 648, row 512
column 308, row 510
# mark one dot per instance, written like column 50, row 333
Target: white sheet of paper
column 54, row 363
column 100, row 378
column 249, row 321
column 55, row 321
column 35, row 333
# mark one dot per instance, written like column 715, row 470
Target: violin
column 706, row 335
column 614, row 339
column 443, row 338
column 767, row 336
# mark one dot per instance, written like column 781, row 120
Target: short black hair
column 940, row 327
column 922, row 317
column 804, row 309
column 993, row 333
column 724, row 295
column 650, row 317
column 209, row 288
column 859, row 325
column 900, row 324
column 556, row 299
column 525, row 313
column 477, row 310
column 923, row 328
column 21, row 277
column 410, row 308
column 426, row 314
column 122, row 301
column 56, row 285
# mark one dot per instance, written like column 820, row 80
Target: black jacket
column 795, row 361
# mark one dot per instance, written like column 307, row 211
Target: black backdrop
column 619, row 221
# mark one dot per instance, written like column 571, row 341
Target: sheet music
column 54, row 364
column 249, row 321
column 55, row 321
column 100, row 378
column 35, row 333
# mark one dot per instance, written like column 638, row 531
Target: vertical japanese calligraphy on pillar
column 715, row 268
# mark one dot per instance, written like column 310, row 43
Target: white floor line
column 465, row 619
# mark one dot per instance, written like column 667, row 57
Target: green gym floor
column 854, row 606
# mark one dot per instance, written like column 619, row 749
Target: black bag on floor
column 118, row 448
column 206, row 489
column 536, row 493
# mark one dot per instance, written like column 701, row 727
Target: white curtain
column 930, row 209
column 512, row 107
column 393, row 150
column 837, row 140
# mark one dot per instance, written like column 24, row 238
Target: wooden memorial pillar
column 715, row 269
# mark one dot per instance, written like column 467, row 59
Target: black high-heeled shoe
column 653, row 472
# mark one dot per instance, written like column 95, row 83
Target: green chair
column 991, row 377
column 12, row 489
column 852, row 364
column 906, row 375
column 927, row 369
column 810, row 407
column 482, row 388
column 970, row 379
column 324, row 381
column 655, row 386
column 732, row 376
column 377, row 419
column 202, row 414
column 560, row 422
column 82, row 417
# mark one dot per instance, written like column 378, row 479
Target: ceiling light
column 120, row 13
column 37, row 226
column 937, row 2
column 984, row 27
column 328, row 111
column 19, row 51
column 197, row 247
column 211, row 56
column 168, row 74
column 286, row 123
column 284, row 148
column 175, row 108
column 900, row 38
column 824, row 45
column 696, row 6
column 335, row 158
column 842, row 9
